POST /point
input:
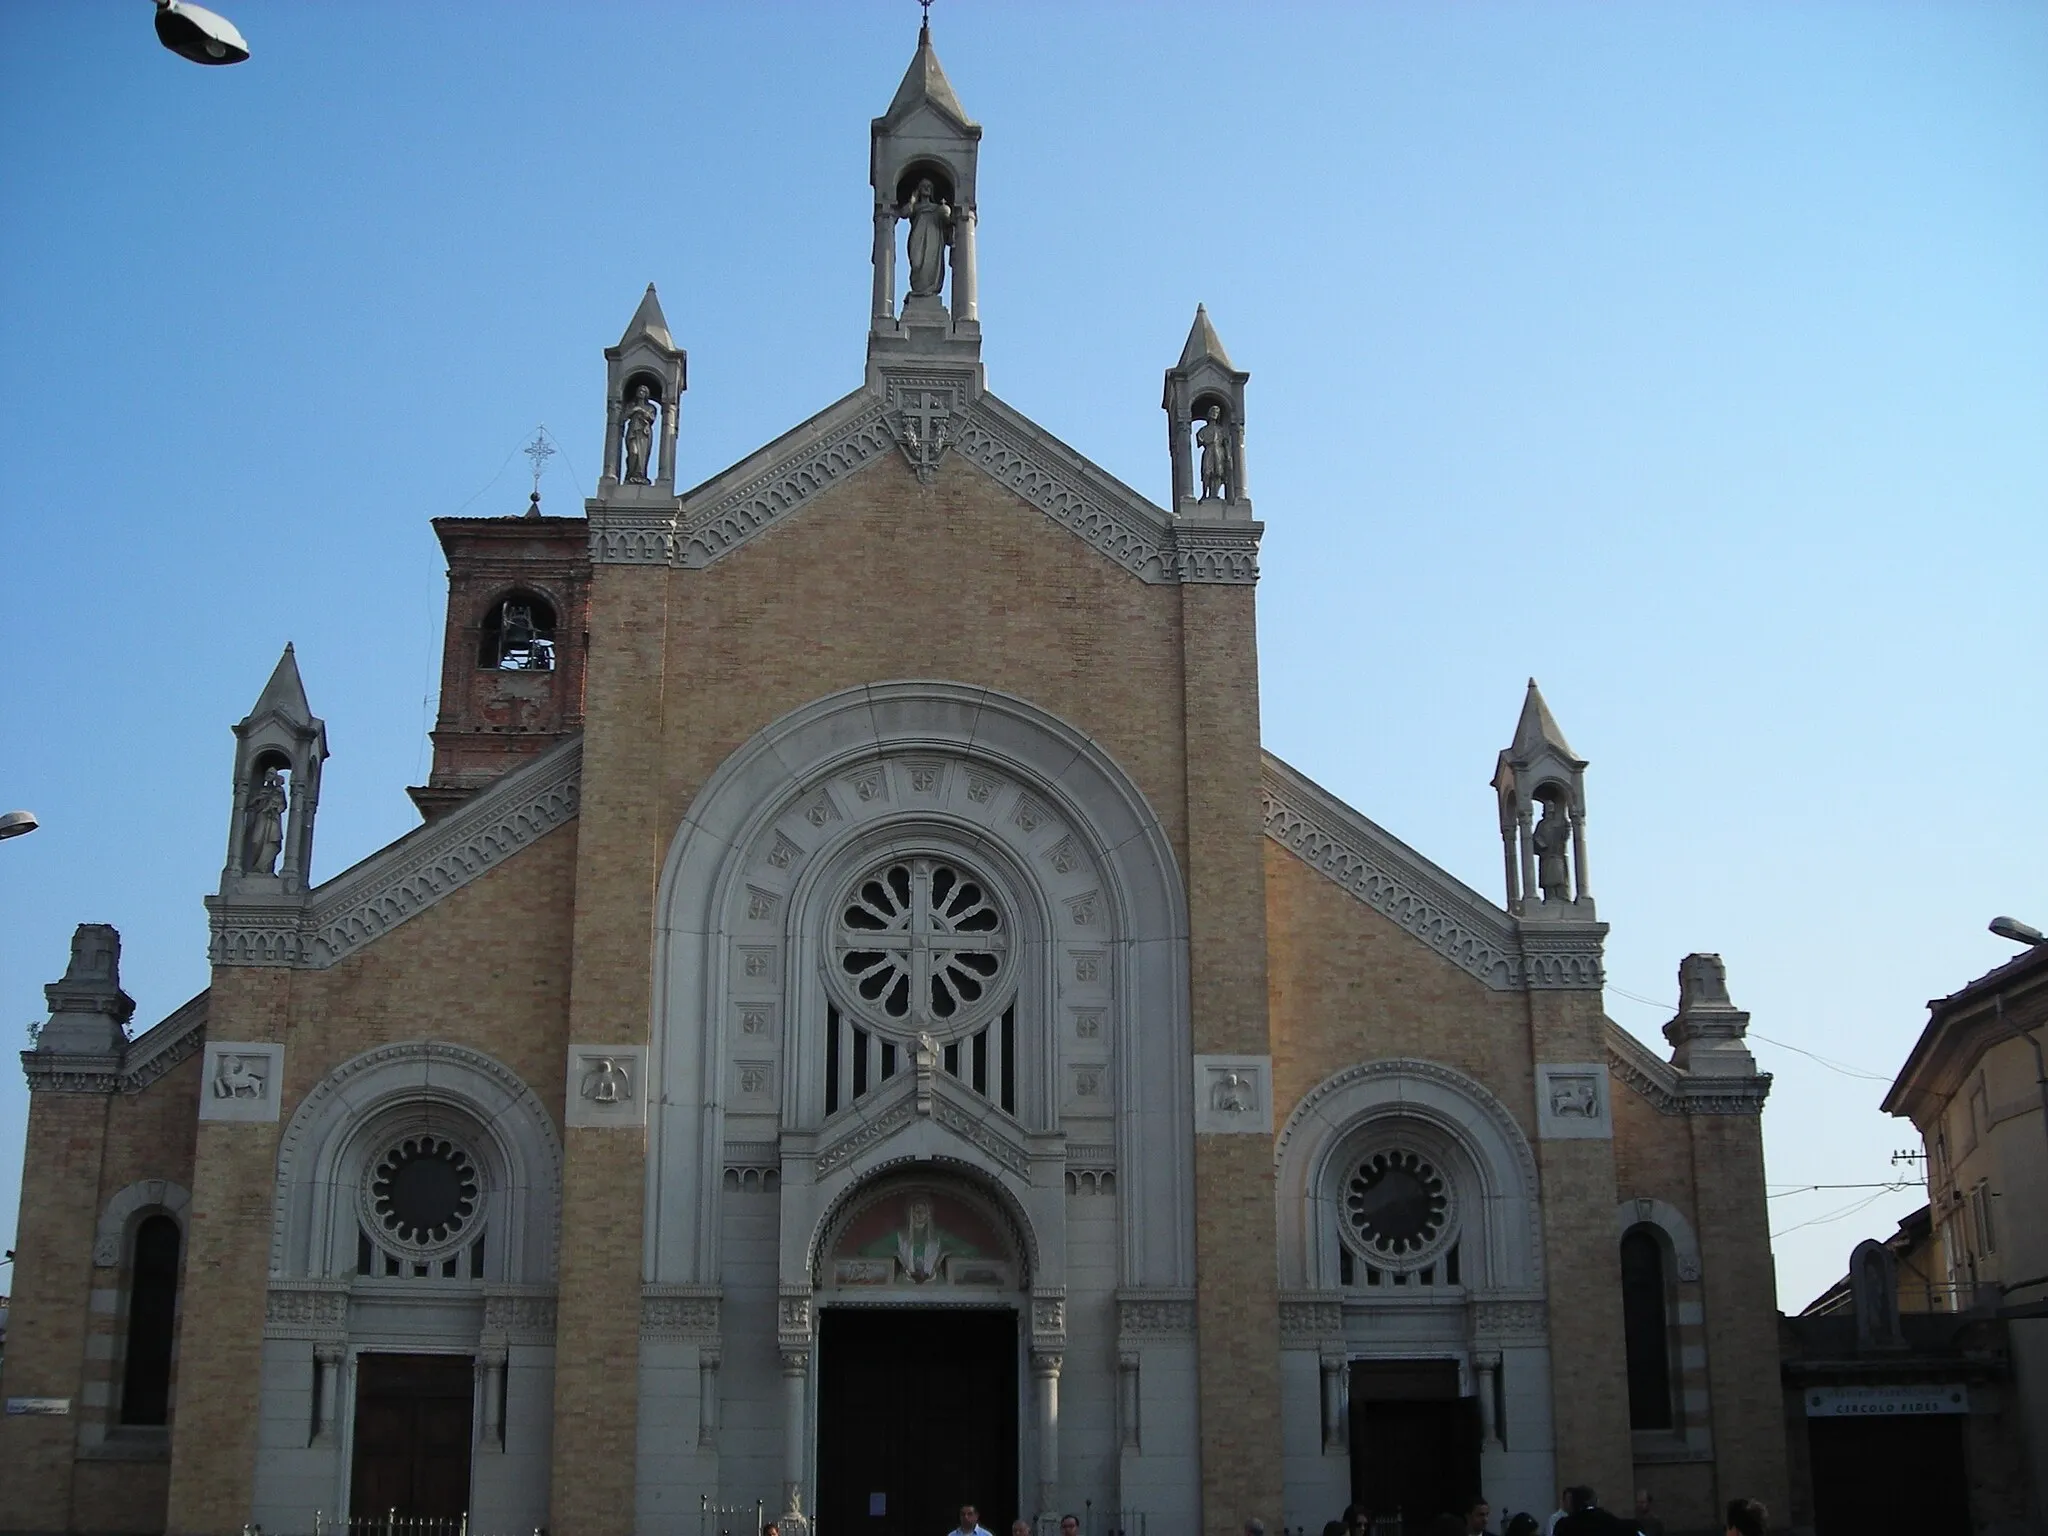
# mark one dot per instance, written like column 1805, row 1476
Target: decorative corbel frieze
column 681, row 1313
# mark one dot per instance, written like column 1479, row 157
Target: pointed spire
column 925, row 80
column 1537, row 729
column 284, row 692
column 1203, row 342
column 649, row 321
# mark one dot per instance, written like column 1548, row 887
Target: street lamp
column 193, row 32
column 2019, row 932
column 17, row 823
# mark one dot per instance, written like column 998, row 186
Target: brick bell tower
column 512, row 658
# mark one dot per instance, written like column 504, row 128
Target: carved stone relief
column 242, row 1080
column 606, row 1086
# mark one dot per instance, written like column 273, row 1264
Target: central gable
column 926, row 423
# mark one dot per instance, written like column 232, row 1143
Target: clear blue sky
column 1693, row 358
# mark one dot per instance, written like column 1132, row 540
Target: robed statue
column 263, row 835
column 640, row 416
column 1219, row 475
column 931, row 228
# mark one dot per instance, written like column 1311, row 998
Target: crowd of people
column 1578, row 1513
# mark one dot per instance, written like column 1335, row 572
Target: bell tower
column 1541, row 785
column 1204, row 405
column 922, row 167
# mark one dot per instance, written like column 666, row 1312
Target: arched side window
column 1646, row 1328
column 152, row 1322
column 518, row 634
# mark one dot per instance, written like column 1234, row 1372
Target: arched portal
column 909, row 928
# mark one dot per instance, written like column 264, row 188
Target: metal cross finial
column 926, row 25
column 540, row 450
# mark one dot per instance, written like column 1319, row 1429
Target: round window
column 1400, row 1212
column 920, row 945
column 421, row 1198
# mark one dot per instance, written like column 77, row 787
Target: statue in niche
column 1874, row 1288
column 263, row 834
column 1219, row 474
column 639, row 430
column 931, row 229
column 1552, row 842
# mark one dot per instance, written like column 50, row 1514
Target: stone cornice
column 1389, row 876
column 1430, row 904
column 1672, row 1092
column 141, row 1062
column 726, row 511
column 730, row 509
column 363, row 903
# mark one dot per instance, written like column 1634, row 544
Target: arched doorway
column 920, row 1292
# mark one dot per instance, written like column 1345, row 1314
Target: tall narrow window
column 1645, row 1324
column 152, row 1318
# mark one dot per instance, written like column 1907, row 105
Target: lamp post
column 17, row 823
column 193, row 32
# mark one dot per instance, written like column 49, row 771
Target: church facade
column 862, row 1026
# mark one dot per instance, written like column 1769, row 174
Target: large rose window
column 421, row 1199
column 1399, row 1210
column 920, row 945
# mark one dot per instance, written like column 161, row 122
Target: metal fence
column 716, row 1519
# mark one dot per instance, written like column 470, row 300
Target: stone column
column 796, row 1429
column 1525, row 849
column 609, row 466
column 1582, row 886
column 885, row 264
column 1486, row 1375
column 966, row 286
column 1333, row 1401
column 708, row 1361
column 491, row 1367
column 1045, row 1370
column 1127, row 1398
column 328, row 1360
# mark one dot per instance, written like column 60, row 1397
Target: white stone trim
column 363, row 903
column 767, row 486
column 1685, row 1243
column 1574, row 1101
column 241, row 1080
column 110, row 1238
column 1100, row 896
column 1671, row 1091
column 1233, row 1095
column 504, row 1126
column 1502, row 1206
column 1389, row 876
column 728, row 510
column 596, row 1069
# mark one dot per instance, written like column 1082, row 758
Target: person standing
column 1587, row 1518
column 970, row 1522
column 1477, row 1513
column 1747, row 1517
column 1646, row 1522
column 1564, row 1507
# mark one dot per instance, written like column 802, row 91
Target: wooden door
column 412, row 1441
column 917, row 1415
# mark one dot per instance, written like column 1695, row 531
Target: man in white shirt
column 970, row 1522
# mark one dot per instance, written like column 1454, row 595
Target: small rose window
column 423, row 1195
column 921, row 944
column 1399, row 1210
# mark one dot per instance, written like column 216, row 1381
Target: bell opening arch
column 868, row 811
